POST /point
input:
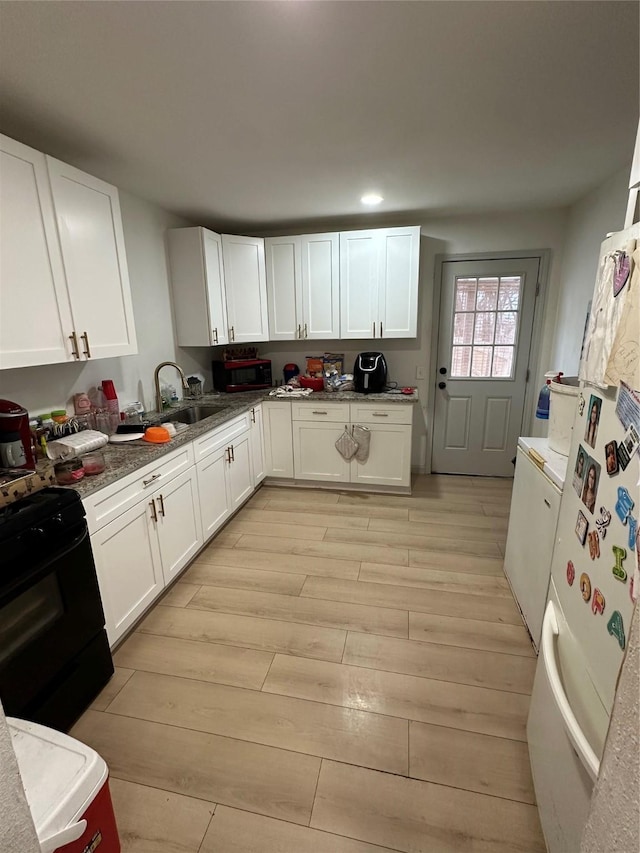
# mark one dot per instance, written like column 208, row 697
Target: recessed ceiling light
column 371, row 198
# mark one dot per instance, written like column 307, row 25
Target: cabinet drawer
column 217, row 438
column 369, row 413
column 321, row 411
column 107, row 504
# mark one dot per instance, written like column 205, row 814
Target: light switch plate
column 420, row 372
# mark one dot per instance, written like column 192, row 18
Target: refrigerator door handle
column 550, row 631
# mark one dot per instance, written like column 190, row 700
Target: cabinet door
column 239, row 472
column 93, row 252
column 278, row 439
column 389, row 462
column 128, row 565
column 359, row 272
column 257, row 445
column 398, row 294
column 246, row 288
column 35, row 317
column 213, row 491
column 282, row 257
column 179, row 527
column 216, row 297
column 320, row 286
column 314, row 452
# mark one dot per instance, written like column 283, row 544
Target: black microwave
column 250, row 374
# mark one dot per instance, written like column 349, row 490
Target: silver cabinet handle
column 316, row 412
column 547, row 503
column 253, row 416
column 228, row 453
column 380, row 414
column 232, row 334
column 161, row 502
column 75, row 352
column 233, row 455
column 148, row 482
column 154, row 514
column 214, row 332
column 299, row 330
column 380, row 328
column 85, row 337
column 305, row 330
column 373, row 326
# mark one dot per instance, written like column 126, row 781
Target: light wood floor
column 335, row 673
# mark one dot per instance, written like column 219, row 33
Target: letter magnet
column 597, row 602
column 624, row 504
column 615, row 627
column 585, row 586
column 633, row 531
column 594, row 545
column 571, row 573
column 603, row 521
column 619, row 572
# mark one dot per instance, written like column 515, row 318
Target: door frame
column 530, row 394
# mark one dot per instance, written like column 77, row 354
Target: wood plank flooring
column 334, row 673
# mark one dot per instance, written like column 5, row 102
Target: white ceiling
column 261, row 114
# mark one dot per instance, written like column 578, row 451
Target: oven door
column 49, row 613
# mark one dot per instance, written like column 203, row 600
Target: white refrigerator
column 594, row 569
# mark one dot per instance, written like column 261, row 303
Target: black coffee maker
column 370, row 373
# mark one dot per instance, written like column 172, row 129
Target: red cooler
column 67, row 789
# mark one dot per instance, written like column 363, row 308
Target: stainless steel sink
column 193, row 415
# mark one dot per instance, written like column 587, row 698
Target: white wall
column 17, row 833
column 52, row 386
column 589, row 222
column 455, row 235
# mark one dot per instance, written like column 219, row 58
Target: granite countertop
column 123, row 459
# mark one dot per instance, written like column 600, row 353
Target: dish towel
column 290, row 391
column 362, row 435
column 346, row 445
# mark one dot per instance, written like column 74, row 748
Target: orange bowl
column 157, row 435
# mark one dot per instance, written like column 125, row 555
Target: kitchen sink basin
column 193, row 415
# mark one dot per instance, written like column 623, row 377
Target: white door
column 246, row 288
column 389, row 461
column 128, row 566
column 35, row 317
column 359, row 269
column 486, row 319
column 398, row 294
column 257, row 445
column 213, row 492
column 93, row 252
column 315, row 456
column 216, row 297
column 278, row 439
column 178, row 525
column 320, row 286
column 239, row 472
column 282, row 258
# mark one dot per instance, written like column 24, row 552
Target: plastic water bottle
column 542, row 411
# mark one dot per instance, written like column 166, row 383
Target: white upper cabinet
column 303, row 287
column 95, row 262
column 379, row 283
column 35, row 315
column 246, row 288
column 64, row 282
column 197, row 278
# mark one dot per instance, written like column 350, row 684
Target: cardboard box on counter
column 16, row 484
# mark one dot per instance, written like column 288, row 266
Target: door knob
column 442, row 385
column 443, row 370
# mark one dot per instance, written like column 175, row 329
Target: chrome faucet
column 156, row 379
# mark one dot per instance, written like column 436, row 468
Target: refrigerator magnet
column 593, row 418
column 633, row 531
column 603, row 521
column 590, row 485
column 618, row 571
column 594, row 545
column 571, row 573
column 579, row 469
column 581, row 404
column 615, row 627
column 611, row 457
column 628, row 446
column 585, row 586
column 621, row 269
column 624, row 504
column 597, row 602
column 582, row 525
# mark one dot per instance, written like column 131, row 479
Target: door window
column 485, row 327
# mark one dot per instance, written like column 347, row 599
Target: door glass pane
column 503, row 362
column 463, row 329
column 509, row 296
column 465, row 294
column 485, row 325
column 481, row 362
column 506, row 327
column 487, row 294
column 460, row 361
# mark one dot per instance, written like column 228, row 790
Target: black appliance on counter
column 54, row 652
column 370, row 373
column 249, row 374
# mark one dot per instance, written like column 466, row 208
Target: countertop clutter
column 124, row 459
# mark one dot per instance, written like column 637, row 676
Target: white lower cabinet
column 257, row 445
column 389, row 462
column 278, row 439
column 314, row 452
column 178, row 523
column 213, row 492
column 240, row 472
